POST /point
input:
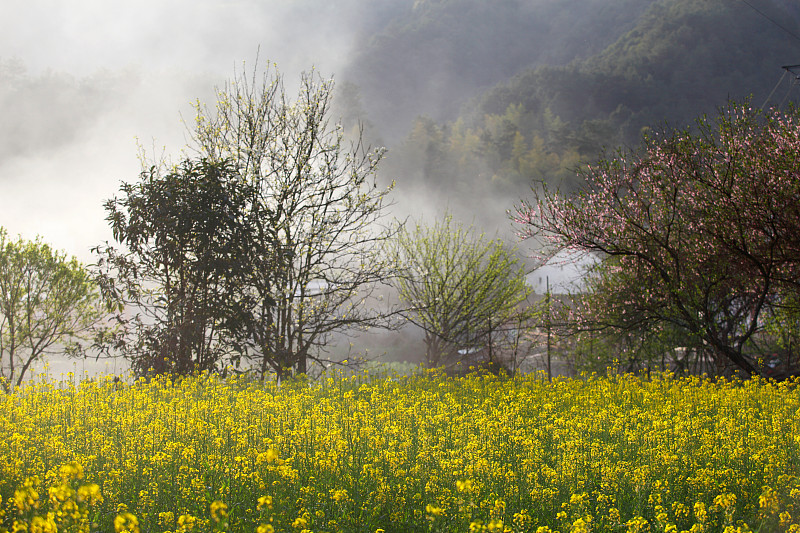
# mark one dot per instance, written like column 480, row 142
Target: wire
column 772, row 20
column 774, row 88
column 785, row 97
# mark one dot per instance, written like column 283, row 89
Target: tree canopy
column 179, row 271
column 698, row 230
column 460, row 287
column 647, row 63
column 260, row 247
column 48, row 304
column 315, row 219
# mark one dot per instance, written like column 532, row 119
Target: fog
column 188, row 35
column 83, row 83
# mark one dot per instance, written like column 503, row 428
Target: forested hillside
column 567, row 79
column 434, row 55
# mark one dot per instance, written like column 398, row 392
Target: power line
column 790, row 32
column 788, row 92
column 785, row 70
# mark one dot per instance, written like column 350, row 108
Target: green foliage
column 698, row 231
column 683, row 58
column 462, row 289
column 669, row 60
column 461, row 47
column 179, row 272
column 48, row 303
column 257, row 250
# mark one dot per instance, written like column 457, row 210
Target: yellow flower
column 494, row 526
column 768, row 501
column 464, row 486
column 26, row 497
column 90, row 494
column 186, row 523
column 219, row 511
column 433, row 511
column 725, row 501
column 126, row 522
column 580, row 526
column 637, row 524
column 476, row 526
column 71, row 471
column 265, row 528
column 264, row 501
column 61, row 493
column 700, row 511
column 41, row 524
column 166, row 518
column 522, row 518
column 338, row 494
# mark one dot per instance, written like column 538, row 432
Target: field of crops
column 412, row 454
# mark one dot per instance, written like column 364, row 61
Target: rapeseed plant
column 401, row 454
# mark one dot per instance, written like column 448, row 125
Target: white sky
column 173, row 51
column 565, row 273
column 82, row 35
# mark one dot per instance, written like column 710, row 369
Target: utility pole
column 792, row 69
column 547, row 302
column 491, row 352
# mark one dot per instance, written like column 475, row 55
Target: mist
column 477, row 101
column 85, row 85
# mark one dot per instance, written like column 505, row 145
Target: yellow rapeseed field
column 401, row 454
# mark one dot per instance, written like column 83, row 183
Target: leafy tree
column 462, row 289
column 183, row 237
column 48, row 304
column 783, row 336
column 699, row 230
column 315, row 238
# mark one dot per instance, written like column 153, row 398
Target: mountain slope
column 682, row 58
column 437, row 54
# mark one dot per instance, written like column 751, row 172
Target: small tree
column 462, row 289
column 314, row 221
column 699, row 231
column 177, row 276
column 48, row 305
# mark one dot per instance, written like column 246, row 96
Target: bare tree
column 315, row 218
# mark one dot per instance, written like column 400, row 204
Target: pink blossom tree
column 699, row 230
